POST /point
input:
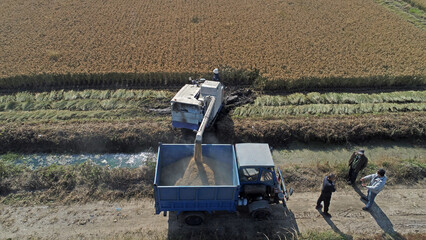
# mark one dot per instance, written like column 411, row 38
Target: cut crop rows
column 87, row 104
column 341, row 98
column 314, row 103
column 320, row 109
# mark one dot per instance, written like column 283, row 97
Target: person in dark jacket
column 216, row 75
column 357, row 162
column 328, row 187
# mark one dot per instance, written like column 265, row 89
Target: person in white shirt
column 377, row 183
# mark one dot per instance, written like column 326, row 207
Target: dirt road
column 398, row 210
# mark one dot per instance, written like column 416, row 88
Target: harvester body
column 189, row 105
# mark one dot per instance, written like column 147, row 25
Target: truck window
column 266, row 175
column 249, row 174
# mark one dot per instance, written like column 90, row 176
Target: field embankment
column 136, row 135
column 87, row 181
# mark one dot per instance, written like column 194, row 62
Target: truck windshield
column 249, row 174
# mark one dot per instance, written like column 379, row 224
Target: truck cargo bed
column 172, row 162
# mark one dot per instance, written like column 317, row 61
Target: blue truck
column 246, row 181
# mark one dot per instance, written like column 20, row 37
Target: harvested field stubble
column 293, row 44
column 327, row 129
column 136, row 135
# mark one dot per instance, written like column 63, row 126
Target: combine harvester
column 193, row 180
column 196, row 101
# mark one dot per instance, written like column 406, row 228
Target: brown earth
column 399, row 211
column 136, row 135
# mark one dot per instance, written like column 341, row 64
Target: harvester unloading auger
column 200, row 132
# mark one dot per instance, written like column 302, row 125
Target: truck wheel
column 261, row 214
column 193, row 218
column 260, row 209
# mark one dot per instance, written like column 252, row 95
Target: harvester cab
column 261, row 185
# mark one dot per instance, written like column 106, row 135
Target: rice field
column 267, row 106
column 292, row 44
column 341, row 98
column 78, row 105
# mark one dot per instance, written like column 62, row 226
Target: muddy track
column 405, row 214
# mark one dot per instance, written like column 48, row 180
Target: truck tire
column 193, row 218
column 260, row 210
column 262, row 214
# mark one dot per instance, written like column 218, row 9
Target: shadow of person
column 334, row 227
column 383, row 221
column 379, row 216
column 357, row 190
column 224, row 225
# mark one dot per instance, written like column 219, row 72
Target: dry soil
column 398, row 211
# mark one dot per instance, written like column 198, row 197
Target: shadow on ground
column 334, row 227
column 281, row 225
column 380, row 217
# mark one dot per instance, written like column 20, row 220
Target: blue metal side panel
column 196, row 198
column 186, row 125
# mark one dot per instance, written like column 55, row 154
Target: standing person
column 216, row 75
column 377, row 183
column 357, row 162
column 327, row 189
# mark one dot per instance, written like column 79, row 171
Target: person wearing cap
column 328, row 187
column 216, row 75
column 377, row 183
column 357, row 162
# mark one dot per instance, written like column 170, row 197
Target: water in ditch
column 293, row 153
column 113, row 160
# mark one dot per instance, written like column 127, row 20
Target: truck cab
column 261, row 183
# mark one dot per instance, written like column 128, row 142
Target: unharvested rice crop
column 285, row 40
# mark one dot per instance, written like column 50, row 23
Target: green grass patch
column 410, row 10
column 407, row 171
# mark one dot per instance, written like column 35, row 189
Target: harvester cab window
column 249, row 174
column 176, row 107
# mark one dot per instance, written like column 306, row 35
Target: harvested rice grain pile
column 197, row 173
column 186, row 172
